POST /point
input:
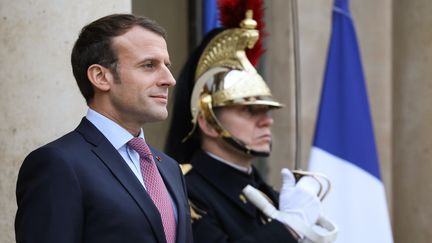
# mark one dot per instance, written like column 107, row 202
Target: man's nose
column 266, row 120
column 167, row 78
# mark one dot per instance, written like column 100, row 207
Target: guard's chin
column 265, row 148
column 261, row 151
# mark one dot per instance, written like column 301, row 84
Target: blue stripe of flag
column 210, row 16
column 344, row 126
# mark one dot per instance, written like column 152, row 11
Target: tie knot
column 140, row 147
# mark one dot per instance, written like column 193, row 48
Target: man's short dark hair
column 94, row 45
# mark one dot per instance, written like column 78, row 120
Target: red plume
column 232, row 12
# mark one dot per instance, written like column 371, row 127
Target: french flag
column 344, row 147
column 210, row 16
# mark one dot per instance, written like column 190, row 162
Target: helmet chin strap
column 239, row 145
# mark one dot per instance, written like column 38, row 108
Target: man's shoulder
column 68, row 140
column 56, row 157
column 71, row 140
column 58, row 147
column 198, row 185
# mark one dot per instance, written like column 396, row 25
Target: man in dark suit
column 229, row 105
column 101, row 182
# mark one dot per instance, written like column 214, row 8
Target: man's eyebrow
column 153, row 60
column 149, row 59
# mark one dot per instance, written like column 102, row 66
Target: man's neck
column 246, row 170
column 133, row 128
column 228, row 153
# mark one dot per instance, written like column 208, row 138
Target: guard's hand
column 299, row 199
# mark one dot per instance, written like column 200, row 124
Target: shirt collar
column 247, row 170
column 116, row 134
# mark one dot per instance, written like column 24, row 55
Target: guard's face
column 251, row 124
column 140, row 93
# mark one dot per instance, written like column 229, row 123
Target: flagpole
column 297, row 86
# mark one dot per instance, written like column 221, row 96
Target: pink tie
column 155, row 187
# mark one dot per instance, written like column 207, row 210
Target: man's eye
column 257, row 109
column 148, row 65
column 249, row 110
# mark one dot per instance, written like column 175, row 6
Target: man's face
column 140, row 94
column 250, row 124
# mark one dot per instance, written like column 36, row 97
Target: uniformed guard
column 221, row 122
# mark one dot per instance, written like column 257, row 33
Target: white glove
column 324, row 231
column 299, row 200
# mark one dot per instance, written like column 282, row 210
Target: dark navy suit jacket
column 79, row 189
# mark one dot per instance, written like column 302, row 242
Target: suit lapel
column 174, row 189
column 113, row 160
column 167, row 175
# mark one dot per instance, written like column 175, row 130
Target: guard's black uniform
column 216, row 188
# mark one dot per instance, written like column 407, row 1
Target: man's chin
column 158, row 116
column 263, row 149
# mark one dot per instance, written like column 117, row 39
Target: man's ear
column 100, row 76
column 206, row 128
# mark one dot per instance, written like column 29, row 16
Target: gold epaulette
column 195, row 211
column 185, row 168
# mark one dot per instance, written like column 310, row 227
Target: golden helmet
column 225, row 76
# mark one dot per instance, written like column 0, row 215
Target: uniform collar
column 246, row 170
column 229, row 181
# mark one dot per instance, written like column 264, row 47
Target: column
column 39, row 98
